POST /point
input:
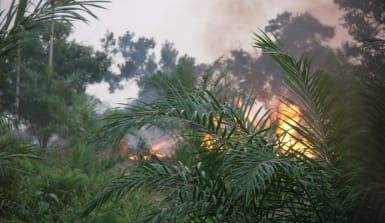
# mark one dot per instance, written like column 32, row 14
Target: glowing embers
column 139, row 157
column 156, row 149
column 208, row 142
column 289, row 117
column 159, row 149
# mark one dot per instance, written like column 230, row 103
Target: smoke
column 229, row 24
column 147, row 139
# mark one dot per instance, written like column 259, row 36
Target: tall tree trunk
column 51, row 43
column 18, row 71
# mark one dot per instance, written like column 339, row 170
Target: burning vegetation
column 288, row 117
column 139, row 151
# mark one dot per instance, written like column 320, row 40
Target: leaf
column 43, row 206
column 54, row 196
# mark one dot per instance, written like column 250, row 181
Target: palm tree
column 27, row 15
column 242, row 174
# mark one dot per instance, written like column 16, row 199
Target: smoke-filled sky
column 204, row 29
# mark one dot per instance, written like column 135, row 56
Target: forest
column 292, row 133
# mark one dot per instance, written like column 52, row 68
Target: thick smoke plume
column 230, row 23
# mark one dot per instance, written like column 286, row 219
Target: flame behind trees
column 288, row 138
column 158, row 149
column 289, row 115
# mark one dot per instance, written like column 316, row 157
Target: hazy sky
column 204, row 29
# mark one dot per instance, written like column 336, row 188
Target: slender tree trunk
column 51, row 42
column 18, row 71
column 50, row 70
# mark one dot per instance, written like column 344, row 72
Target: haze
column 205, row 30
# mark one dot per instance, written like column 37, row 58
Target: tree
column 168, row 57
column 23, row 25
column 138, row 60
column 365, row 21
column 301, row 33
column 44, row 94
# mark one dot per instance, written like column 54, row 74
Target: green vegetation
column 317, row 156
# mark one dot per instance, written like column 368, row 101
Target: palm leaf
column 27, row 15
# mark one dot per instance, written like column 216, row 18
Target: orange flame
column 155, row 149
column 134, row 157
column 208, row 140
column 137, row 157
column 289, row 116
column 123, row 147
column 238, row 101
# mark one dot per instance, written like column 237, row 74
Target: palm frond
column 12, row 153
column 6, row 124
column 27, row 15
column 321, row 123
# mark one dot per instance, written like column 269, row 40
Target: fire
column 137, row 157
column 289, row 116
column 208, row 142
column 238, row 101
column 155, row 149
column 134, row 157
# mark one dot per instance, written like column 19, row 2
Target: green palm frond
column 225, row 119
column 12, row 153
column 6, row 124
column 328, row 123
column 12, row 150
column 27, row 14
column 321, row 122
